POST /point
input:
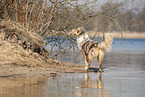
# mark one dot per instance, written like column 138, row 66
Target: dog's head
column 78, row 31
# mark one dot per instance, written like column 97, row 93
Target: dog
column 91, row 50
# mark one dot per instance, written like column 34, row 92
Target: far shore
column 130, row 35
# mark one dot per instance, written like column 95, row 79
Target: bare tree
column 54, row 19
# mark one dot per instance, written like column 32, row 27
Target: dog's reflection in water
column 88, row 83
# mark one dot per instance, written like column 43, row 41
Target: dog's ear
column 80, row 30
column 75, row 31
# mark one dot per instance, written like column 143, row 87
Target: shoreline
column 11, row 70
column 125, row 35
column 129, row 35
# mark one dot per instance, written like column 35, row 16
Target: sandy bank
column 20, row 53
column 14, row 60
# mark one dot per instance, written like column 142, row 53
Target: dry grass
column 14, row 53
column 14, row 59
column 19, row 27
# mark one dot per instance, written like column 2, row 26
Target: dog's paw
column 100, row 70
column 86, row 68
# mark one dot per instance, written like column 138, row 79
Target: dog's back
column 91, row 49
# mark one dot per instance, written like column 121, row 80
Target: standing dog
column 91, row 50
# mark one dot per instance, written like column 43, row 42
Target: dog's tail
column 106, row 43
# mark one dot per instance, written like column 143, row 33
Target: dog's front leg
column 87, row 62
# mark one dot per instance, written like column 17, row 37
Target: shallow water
column 123, row 76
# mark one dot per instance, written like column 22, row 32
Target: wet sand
column 11, row 70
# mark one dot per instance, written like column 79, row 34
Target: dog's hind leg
column 100, row 65
column 100, row 57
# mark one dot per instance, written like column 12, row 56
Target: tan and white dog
column 91, row 50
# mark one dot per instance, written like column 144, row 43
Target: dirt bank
column 14, row 60
column 22, row 53
column 10, row 70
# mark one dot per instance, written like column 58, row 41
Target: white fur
column 87, row 65
column 106, row 44
column 94, row 52
column 82, row 38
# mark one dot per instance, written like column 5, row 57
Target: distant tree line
column 127, row 20
column 59, row 15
